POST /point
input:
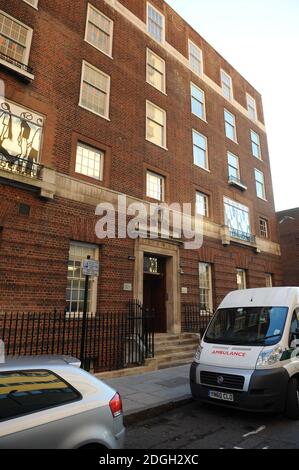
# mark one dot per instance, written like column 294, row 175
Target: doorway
column 154, row 290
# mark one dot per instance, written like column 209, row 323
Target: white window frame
column 162, row 181
column 251, row 105
column 223, row 85
column 89, row 8
column 104, row 116
column 148, row 6
column 148, row 52
column 28, row 38
column 200, row 74
column 264, row 198
column 234, row 126
column 210, row 287
column 204, row 117
column 93, row 300
column 243, row 273
column 254, row 143
column 269, row 277
column 206, row 204
column 34, row 4
column 164, row 146
column 238, row 165
column 266, row 226
column 90, row 147
column 207, row 167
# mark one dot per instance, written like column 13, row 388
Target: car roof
column 268, row 297
column 34, row 362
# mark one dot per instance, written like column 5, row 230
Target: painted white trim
column 238, row 163
column 162, row 179
column 148, row 102
column 264, row 185
column 207, row 168
column 169, row 49
column 201, row 58
column 108, row 54
column 105, row 116
column 260, row 158
column 235, row 126
column 222, row 72
column 207, row 199
column 204, row 118
column 148, row 50
column 147, row 22
column 28, row 38
column 251, row 103
column 33, row 5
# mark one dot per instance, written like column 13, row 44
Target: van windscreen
column 250, row 326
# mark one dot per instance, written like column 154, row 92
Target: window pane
column 155, row 24
column 95, row 88
column 154, row 186
column 13, row 38
column 205, row 288
column 195, row 58
column 155, row 131
column 76, row 279
column 89, row 161
column 197, row 102
column 202, row 204
column 236, row 216
column 23, row 392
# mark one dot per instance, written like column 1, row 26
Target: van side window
column 294, row 332
column 24, row 392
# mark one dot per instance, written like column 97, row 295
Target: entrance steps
column 170, row 351
column 175, row 350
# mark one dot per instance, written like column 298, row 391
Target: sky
column 260, row 38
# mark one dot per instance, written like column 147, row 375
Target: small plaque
column 128, row 287
column 184, row 290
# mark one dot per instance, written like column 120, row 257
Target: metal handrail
column 21, row 166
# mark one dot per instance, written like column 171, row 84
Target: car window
column 23, row 392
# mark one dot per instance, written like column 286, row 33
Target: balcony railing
column 20, row 166
column 232, row 180
column 238, row 235
column 16, row 63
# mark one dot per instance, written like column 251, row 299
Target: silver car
column 50, row 403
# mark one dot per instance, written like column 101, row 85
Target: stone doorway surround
column 171, row 252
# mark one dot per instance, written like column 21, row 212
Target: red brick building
column 113, row 97
column 288, row 222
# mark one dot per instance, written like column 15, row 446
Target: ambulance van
column 248, row 357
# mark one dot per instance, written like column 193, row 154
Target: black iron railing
column 195, row 318
column 247, row 237
column 16, row 63
column 21, row 166
column 113, row 340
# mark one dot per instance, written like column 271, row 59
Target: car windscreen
column 24, row 392
column 247, row 326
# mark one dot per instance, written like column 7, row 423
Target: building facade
column 288, row 222
column 122, row 97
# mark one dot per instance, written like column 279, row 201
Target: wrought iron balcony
column 233, row 181
column 18, row 67
column 238, row 235
column 20, row 166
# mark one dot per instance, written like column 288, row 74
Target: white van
column 247, row 358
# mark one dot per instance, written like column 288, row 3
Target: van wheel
column 292, row 399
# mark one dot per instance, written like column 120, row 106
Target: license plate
column 221, row 396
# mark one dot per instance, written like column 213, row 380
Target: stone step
column 167, row 336
column 174, row 363
column 178, row 355
column 176, row 344
column 174, row 349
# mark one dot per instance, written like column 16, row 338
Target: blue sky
column 260, row 38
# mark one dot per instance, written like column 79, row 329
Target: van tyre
column 292, row 399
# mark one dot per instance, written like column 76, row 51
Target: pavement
column 148, row 394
